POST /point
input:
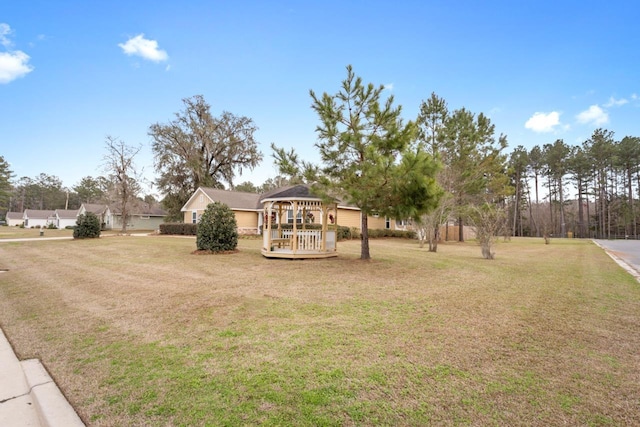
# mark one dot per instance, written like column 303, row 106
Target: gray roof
column 253, row 201
column 138, row 208
column 234, row 199
column 14, row 215
column 37, row 214
column 301, row 191
column 95, row 208
column 67, row 214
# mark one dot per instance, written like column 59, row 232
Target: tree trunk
column 364, row 238
column 630, row 230
column 515, row 206
column 580, row 211
column 436, row 237
column 537, row 204
column 563, row 227
column 460, row 230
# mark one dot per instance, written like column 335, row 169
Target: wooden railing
column 307, row 240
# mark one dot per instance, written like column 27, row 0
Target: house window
column 144, row 216
column 202, row 198
column 401, row 223
column 194, row 217
column 387, row 223
column 290, row 217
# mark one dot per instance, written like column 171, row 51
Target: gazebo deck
column 289, row 254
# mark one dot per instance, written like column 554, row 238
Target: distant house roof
column 139, row 208
column 95, row 208
column 67, row 214
column 238, row 200
column 37, row 214
column 234, row 199
column 14, row 215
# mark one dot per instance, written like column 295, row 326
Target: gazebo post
column 294, row 235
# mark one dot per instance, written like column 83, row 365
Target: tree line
column 590, row 190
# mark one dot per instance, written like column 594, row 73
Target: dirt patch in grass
column 137, row 331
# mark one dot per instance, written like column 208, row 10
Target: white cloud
column 594, row 115
column 634, row 96
column 615, row 102
column 543, row 122
column 13, row 65
column 147, row 49
column 5, row 30
column 389, row 87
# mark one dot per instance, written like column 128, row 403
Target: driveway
column 624, row 252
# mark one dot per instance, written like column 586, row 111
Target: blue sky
column 73, row 72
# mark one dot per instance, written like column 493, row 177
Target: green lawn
column 140, row 331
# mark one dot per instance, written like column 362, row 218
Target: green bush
column 217, row 230
column 52, row 226
column 87, row 226
column 179, row 228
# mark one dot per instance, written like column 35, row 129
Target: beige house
column 248, row 208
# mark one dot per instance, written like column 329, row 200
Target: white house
column 66, row 218
column 37, row 219
column 14, row 218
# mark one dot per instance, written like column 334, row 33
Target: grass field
column 138, row 331
column 19, row 233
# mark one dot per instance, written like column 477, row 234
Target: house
column 248, row 209
column 14, row 218
column 101, row 211
column 66, row 218
column 142, row 216
column 33, row 218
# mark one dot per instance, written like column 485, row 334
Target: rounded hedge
column 217, row 229
column 87, row 226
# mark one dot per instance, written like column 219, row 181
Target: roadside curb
column 628, row 268
column 28, row 394
column 52, row 407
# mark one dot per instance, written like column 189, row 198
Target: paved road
column 628, row 251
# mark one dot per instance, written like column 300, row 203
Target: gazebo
column 298, row 224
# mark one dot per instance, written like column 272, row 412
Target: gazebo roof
column 299, row 192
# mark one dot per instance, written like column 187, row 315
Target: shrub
column 87, row 226
column 217, row 230
column 52, row 226
column 179, row 228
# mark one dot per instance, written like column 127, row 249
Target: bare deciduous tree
column 489, row 220
column 119, row 165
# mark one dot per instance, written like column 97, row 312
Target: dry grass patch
column 139, row 331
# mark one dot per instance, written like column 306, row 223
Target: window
column 401, row 222
column 144, row 216
column 387, row 223
column 194, row 217
column 290, row 217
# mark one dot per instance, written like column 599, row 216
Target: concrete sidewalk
column 28, row 395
